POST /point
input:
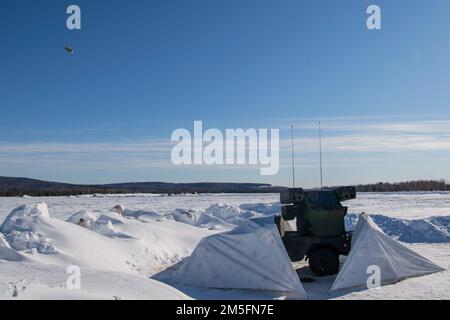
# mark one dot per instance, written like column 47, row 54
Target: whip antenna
column 320, row 153
column 293, row 161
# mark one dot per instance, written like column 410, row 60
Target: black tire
column 324, row 262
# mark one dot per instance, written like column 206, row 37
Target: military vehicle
column 320, row 236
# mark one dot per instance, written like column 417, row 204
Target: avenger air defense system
column 320, row 234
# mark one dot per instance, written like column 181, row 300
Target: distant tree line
column 55, row 193
column 87, row 191
column 17, row 187
column 418, row 185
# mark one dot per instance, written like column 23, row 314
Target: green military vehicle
column 320, row 236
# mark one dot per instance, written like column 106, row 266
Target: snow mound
column 185, row 216
column 223, row 211
column 29, row 240
column 200, row 219
column 428, row 230
column 19, row 233
column 244, row 212
column 142, row 215
column 206, row 220
column 117, row 209
column 262, row 208
column 231, row 215
column 104, row 241
column 21, row 218
column 219, row 216
column 101, row 224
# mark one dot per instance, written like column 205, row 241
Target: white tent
column 251, row 256
column 372, row 247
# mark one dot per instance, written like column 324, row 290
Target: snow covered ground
column 127, row 257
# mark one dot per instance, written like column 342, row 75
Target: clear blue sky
column 144, row 68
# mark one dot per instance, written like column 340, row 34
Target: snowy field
column 131, row 256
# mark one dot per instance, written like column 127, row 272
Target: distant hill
column 13, row 187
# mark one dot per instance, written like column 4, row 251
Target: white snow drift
column 102, row 224
column 435, row 229
column 30, row 235
column 219, row 216
column 372, row 247
column 19, row 230
column 251, row 256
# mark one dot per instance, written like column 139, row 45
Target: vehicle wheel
column 324, row 262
